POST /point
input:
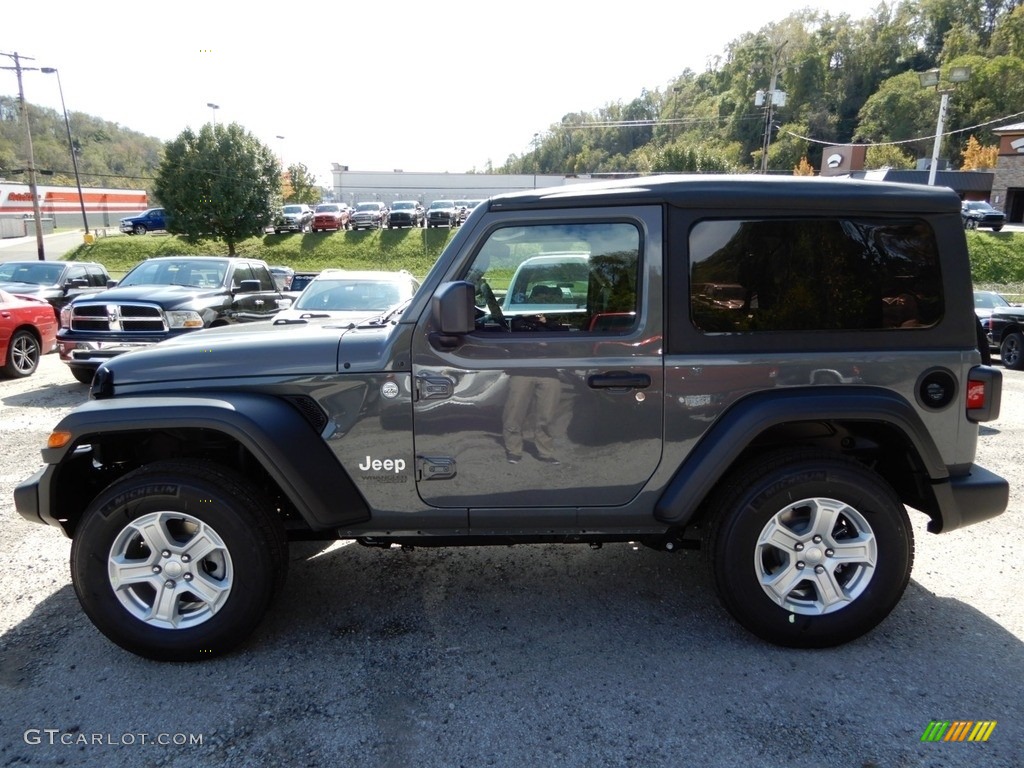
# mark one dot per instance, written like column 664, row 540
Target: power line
column 929, row 137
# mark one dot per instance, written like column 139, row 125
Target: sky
column 373, row 86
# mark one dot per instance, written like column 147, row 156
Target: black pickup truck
column 162, row 298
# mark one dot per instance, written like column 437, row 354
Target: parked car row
column 77, row 309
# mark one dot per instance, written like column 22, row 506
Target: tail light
column 984, row 394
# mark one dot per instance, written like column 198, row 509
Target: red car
column 28, row 330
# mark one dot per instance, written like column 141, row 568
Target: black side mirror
column 249, row 286
column 452, row 308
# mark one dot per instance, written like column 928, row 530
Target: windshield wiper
column 385, row 318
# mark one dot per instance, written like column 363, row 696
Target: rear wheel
column 808, row 551
column 178, row 561
column 23, row 353
column 1011, row 350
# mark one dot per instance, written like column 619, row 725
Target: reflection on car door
column 527, row 417
column 249, row 306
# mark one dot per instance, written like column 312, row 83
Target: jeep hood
column 254, row 350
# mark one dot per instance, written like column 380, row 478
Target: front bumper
column 367, row 223
column 26, row 498
column 91, row 354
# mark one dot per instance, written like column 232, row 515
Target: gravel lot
column 524, row 656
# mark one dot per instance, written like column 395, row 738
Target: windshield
column 345, row 295
column 978, row 207
column 35, row 274
column 984, row 300
column 403, row 206
column 330, row 208
column 442, row 204
column 293, row 209
column 195, row 273
column 368, row 207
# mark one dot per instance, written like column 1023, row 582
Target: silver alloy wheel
column 815, row 556
column 170, row 570
column 24, row 353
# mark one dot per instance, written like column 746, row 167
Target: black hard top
column 808, row 193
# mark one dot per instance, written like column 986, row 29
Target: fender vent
column 936, row 389
column 310, row 411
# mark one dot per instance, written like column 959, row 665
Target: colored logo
column 958, row 730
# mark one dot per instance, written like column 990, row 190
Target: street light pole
column 71, row 146
column 214, row 107
column 31, row 155
column 937, row 146
column 931, row 79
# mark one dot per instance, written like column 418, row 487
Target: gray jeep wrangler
column 769, row 369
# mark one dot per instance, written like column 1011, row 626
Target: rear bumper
column 968, row 499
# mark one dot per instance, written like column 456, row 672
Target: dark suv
column 770, row 369
column 56, row 281
column 162, row 298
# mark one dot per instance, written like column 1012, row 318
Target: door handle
column 619, row 380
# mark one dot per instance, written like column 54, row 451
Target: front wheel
column 1011, row 350
column 139, row 229
column 178, row 561
column 23, row 353
column 808, row 551
column 82, row 375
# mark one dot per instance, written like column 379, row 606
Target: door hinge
column 433, row 387
column 434, row 467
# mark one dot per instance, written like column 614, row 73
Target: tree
column 803, row 168
column 977, row 157
column 303, row 186
column 888, row 156
column 219, row 182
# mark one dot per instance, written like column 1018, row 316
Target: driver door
column 549, row 403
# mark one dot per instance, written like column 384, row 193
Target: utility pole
column 773, row 98
column 31, row 156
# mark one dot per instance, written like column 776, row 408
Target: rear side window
column 813, row 275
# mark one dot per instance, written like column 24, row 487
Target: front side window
column 813, row 275
column 558, row 277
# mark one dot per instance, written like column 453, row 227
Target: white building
column 353, row 187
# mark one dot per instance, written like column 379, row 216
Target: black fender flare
column 740, row 426
column 288, row 448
